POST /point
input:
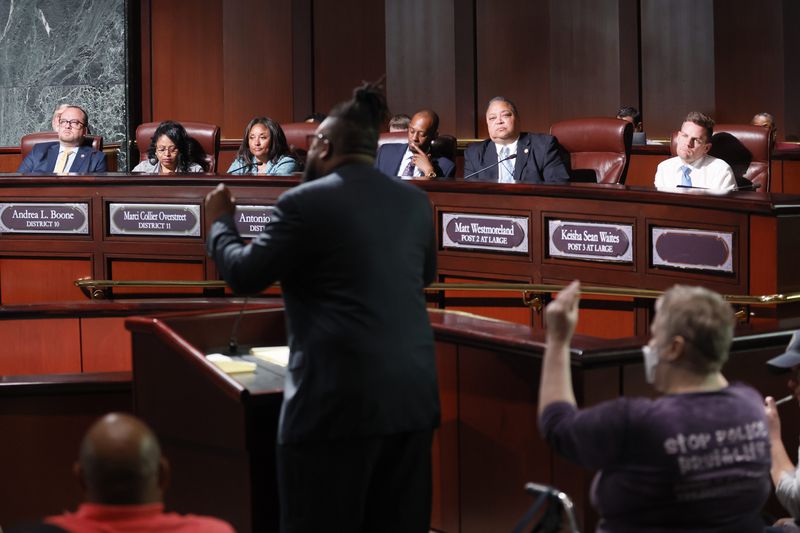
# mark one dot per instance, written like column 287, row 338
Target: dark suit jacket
column 538, row 160
column 42, row 158
column 353, row 251
column 390, row 155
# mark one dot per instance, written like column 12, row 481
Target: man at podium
column 353, row 250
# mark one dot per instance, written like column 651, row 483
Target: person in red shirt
column 123, row 476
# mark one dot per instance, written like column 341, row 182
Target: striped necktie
column 506, row 171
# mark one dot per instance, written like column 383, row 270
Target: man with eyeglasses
column 693, row 168
column 353, row 249
column 68, row 155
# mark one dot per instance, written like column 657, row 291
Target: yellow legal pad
column 277, row 355
column 230, row 365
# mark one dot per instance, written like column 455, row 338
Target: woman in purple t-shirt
column 697, row 457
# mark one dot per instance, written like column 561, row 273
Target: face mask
column 650, row 363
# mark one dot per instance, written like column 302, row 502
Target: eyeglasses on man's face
column 71, row 123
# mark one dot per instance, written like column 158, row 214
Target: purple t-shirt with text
column 682, row 462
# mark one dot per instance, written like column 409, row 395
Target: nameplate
column 485, row 232
column 51, row 217
column 168, row 220
column 589, row 241
column 252, row 219
column 692, row 249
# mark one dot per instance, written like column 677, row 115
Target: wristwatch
column 431, row 174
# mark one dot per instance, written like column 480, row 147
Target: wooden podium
column 218, row 431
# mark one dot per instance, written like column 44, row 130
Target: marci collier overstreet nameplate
column 485, row 232
column 252, row 219
column 50, row 217
column 573, row 239
column 168, row 220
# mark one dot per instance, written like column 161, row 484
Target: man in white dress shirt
column 693, row 167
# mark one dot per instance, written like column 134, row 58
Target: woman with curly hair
column 169, row 152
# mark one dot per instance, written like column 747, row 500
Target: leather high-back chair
column 298, row 137
column 204, row 138
column 746, row 148
column 599, row 148
column 399, row 137
column 28, row 141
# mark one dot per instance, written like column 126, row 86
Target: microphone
column 233, row 342
column 512, row 156
column 784, row 399
column 247, row 166
column 749, row 187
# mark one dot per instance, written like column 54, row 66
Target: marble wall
column 54, row 51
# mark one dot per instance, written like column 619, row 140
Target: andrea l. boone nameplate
column 252, row 219
column 573, row 239
column 168, row 220
column 485, row 232
column 692, row 248
column 49, row 217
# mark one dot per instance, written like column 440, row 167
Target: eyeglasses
column 166, row 150
column 691, row 140
column 71, row 123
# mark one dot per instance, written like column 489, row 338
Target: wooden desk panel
column 30, row 280
column 40, row 346
column 765, row 221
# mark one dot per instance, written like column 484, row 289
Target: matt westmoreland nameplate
column 166, row 220
column 474, row 231
column 45, row 217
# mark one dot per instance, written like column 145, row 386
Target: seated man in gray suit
column 414, row 160
column 68, row 154
column 511, row 156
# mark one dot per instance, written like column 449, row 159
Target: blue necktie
column 506, row 172
column 686, row 180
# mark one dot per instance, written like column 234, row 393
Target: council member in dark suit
column 353, row 250
column 67, row 155
column 414, row 159
column 529, row 157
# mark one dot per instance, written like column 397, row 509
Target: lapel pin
column 526, row 150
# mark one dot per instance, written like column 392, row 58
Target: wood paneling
column 790, row 46
column 556, row 60
column 678, row 58
column 446, row 494
column 106, row 345
column 43, row 424
column 585, row 59
column 416, row 33
column 186, row 61
column 50, row 346
column 256, row 62
column 26, row 280
column 349, row 47
column 749, row 60
column 9, row 161
column 142, row 269
column 513, row 59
